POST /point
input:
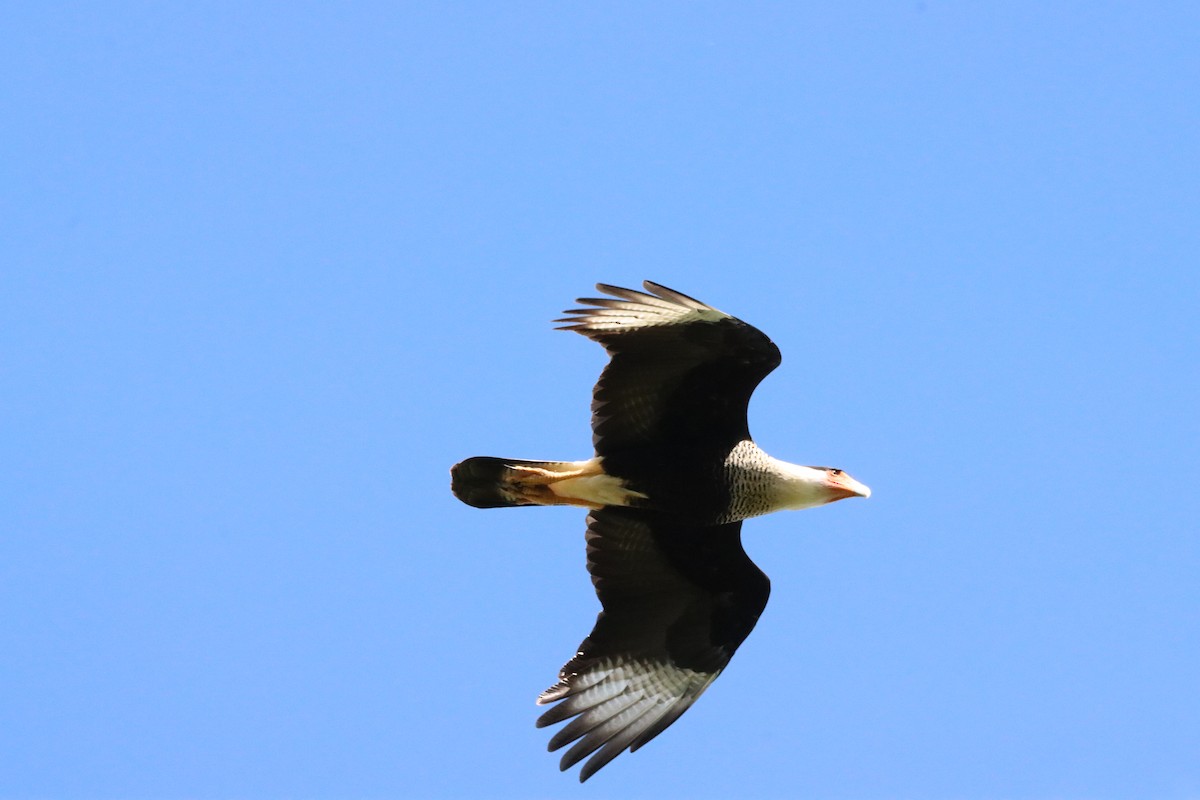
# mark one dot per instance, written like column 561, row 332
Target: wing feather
column 680, row 370
column 677, row 602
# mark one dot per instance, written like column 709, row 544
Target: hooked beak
column 843, row 486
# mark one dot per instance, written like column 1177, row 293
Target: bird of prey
column 674, row 474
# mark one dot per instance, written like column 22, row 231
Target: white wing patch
column 618, row 703
column 636, row 310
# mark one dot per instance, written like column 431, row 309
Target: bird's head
column 838, row 485
column 815, row 486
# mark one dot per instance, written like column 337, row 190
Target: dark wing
column 678, row 600
column 681, row 371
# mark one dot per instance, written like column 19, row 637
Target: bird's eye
column 835, row 472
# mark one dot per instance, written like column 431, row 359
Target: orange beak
column 843, row 486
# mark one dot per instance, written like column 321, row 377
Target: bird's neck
column 769, row 484
column 797, row 486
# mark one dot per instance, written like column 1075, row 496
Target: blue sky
column 268, row 271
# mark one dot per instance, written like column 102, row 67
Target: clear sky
column 268, row 270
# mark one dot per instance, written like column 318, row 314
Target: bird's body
column 674, row 473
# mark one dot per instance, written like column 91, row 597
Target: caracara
column 674, row 474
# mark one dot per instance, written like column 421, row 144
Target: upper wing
column 680, row 370
column 677, row 601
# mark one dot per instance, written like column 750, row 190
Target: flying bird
column 674, row 474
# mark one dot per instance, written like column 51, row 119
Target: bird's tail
column 486, row 482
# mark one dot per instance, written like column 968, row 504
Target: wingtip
column 674, row 296
column 556, row 692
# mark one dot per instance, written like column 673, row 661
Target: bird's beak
column 843, row 486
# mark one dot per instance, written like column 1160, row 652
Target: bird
column 673, row 475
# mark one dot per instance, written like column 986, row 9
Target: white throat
column 761, row 484
column 799, row 487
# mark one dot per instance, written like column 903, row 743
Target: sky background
column 268, row 270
